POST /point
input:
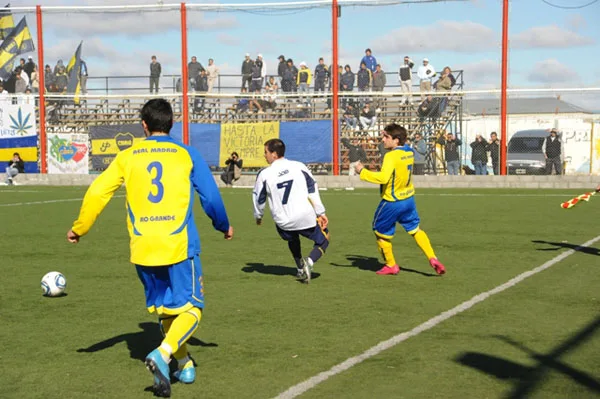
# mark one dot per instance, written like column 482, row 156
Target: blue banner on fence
column 205, row 137
column 308, row 142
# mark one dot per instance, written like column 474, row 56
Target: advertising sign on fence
column 109, row 140
column 18, row 133
column 68, row 153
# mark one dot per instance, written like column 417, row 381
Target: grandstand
column 64, row 116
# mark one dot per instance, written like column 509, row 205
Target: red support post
column 335, row 120
column 184, row 78
column 42, row 100
column 503, row 90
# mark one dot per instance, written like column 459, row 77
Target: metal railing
column 224, row 84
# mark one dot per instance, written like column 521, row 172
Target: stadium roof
column 546, row 105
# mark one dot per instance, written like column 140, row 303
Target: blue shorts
column 171, row 290
column 313, row 233
column 390, row 213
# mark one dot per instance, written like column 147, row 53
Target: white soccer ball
column 53, row 284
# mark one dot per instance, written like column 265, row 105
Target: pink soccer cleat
column 437, row 265
column 389, row 270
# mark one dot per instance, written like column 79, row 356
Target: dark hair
column 153, row 57
column 158, row 115
column 17, row 154
column 235, row 153
column 277, row 146
column 369, row 50
column 397, row 132
column 321, row 59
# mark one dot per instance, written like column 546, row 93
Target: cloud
column 456, row 36
column 133, row 23
column 576, row 22
column 550, row 36
column 482, row 73
column 227, row 39
column 552, row 71
column 93, row 47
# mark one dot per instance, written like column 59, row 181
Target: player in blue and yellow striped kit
column 160, row 177
column 397, row 200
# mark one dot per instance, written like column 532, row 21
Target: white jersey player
column 295, row 204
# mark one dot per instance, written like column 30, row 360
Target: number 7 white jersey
column 292, row 193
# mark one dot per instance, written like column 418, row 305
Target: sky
column 550, row 47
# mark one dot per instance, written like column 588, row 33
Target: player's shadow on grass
column 371, row 264
column 556, row 246
column 140, row 343
column 527, row 378
column 275, row 270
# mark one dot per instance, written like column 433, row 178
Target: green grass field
column 262, row 332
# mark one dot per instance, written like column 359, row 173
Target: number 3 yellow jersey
column 395, row 176
column 160, row 177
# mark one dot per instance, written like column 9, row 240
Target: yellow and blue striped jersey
column 395, row 176
column 160, row 177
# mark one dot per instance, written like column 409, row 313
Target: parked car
column 525, row 154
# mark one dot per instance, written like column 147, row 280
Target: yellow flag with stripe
column 73, row 67
column 7, row 24
column 19, row 41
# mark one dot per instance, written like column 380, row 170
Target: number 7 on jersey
column 287, row 186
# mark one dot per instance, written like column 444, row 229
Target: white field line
column 50, row 201
column 350, row 192
column 19, row 191
column 312, row 382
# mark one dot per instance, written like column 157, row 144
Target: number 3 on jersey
column 287, row 186
column 160, row 189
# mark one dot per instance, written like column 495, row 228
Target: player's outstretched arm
column 382, row 176
column 259, row 198
column 313, row 191
column 96, row 198
column 210, row 197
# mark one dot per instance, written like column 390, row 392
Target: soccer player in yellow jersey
column 397, row 199
column 160, row 176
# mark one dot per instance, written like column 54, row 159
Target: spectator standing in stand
column 494, row 149
column 247, row 65
column 155, row 71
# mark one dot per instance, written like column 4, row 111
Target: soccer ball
column 53, row 284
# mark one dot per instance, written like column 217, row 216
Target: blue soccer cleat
column 186, row 375
column 157, row 366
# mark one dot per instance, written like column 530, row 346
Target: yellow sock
column 181, row 355
column 423, row 242
column 181, row 329
column 385, row 249
column 165, row 324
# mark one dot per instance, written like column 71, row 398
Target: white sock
column 167, row 348
column 310, row 261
